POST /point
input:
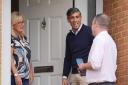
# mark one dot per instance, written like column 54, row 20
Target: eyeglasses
column 20, row 22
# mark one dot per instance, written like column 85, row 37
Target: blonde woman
column 21, row 65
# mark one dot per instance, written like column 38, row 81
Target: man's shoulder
column 86, row 27
column 69, row 33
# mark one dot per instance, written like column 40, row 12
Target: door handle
column 43, row 24
column 43, row 69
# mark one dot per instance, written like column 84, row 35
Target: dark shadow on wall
column 14, row 5
column 91, row 11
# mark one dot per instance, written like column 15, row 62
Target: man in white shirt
column 101, row 66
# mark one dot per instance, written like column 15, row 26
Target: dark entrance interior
column 14, row 5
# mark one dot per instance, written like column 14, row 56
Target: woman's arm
column 18, row 79
column 31, row 73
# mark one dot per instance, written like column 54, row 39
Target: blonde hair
column 15, row 18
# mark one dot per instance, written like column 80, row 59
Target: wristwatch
column 64, row 77
column 15, row 74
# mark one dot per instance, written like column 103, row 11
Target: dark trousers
column 24, row 81
column 103, row 83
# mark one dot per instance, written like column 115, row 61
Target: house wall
column 5, row 21
column 118, row 11
column 0, row 34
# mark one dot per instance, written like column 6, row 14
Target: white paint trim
column 6, row 49
column 99, row 6
column 82, row 5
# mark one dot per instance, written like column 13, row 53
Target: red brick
column 118, row 11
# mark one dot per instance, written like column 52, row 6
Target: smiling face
column 75, row 20
column 19, row 24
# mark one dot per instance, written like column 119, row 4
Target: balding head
column 100, row 22
column 103, row 20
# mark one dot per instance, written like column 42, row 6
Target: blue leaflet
column 79, row 61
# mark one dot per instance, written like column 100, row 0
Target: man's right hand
column 64, row 82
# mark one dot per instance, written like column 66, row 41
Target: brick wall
column 118, row 11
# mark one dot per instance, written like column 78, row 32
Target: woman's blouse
column 22, row 55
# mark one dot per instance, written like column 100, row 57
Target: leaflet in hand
column 79, row 61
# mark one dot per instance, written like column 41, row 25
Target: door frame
column 6, row 43
column 6, row 38
column 99, row 6
column 83, row 6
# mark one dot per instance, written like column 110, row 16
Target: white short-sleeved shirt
column 102, row 56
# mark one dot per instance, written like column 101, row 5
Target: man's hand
column 64, row 82
column 18, row 80
column 81, row 66
column 84, row 66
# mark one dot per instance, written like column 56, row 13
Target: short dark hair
column 72, row 11
column 103, row 20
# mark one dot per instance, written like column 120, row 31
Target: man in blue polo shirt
column 78, row 44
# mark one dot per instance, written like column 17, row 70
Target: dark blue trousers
column 24, row 81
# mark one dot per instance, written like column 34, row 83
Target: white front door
column 47, row 42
